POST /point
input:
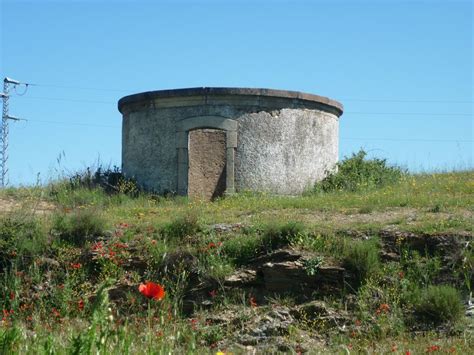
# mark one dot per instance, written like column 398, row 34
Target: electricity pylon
column 4, row 129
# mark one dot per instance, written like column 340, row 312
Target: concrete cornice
column 206, row 96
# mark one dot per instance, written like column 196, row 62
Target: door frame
column 182, row 140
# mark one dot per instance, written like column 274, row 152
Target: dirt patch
column 8, row 205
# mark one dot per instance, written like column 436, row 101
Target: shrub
column 86, row 186
column 356, row 173
column 109, row 180
column 420, row 270
column 243, row 248
column 79, row 226
column 362, row 258
column 20, row 237
column 183, row 226
column 277, row 235
column 439, row 304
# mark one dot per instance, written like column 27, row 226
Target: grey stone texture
column 275, row 141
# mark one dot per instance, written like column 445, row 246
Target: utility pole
column 4, row 129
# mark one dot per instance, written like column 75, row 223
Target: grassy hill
column 377, row 267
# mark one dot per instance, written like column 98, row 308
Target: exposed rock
column 293, row 276
column 470, row 307
column 285, row 271
column 277, row 256
column 265, row 331
column 48, row 262
column 320, row 313
column 120, row 292
column 226, row 228
column 246, row 277
column 271, row 324
column 198, row 293
column 175, row 263
column 389, row 256
column 312, row 309
column 444, row 244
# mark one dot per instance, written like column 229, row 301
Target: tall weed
column 362, row 258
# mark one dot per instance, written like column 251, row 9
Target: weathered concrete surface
column 148, row 149
column 285, row 151
column 276, row 141
column 207, row 163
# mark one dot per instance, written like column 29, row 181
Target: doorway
column 207, row 163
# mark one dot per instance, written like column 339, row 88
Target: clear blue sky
column 402, row 69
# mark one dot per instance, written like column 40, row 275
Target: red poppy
column 383, row 308
column 152, row 290
column 433, row 348
column 194, row 323
column 80, row 305
column 55, row 312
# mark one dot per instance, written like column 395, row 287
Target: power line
column 73, row 123
column 71, row 100
column 80, row 88
column 438, row 114
column 431, row 101
column 410, row 140
column 409, row 113
column 342, row 99
column 342, row 138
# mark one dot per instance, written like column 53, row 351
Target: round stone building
column 204, row 142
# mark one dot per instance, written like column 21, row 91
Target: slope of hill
column 382, row 269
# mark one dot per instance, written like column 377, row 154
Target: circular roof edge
column 219, row 91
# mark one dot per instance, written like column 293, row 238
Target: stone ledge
column 208, row 93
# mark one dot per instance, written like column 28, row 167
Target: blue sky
column 402, row 69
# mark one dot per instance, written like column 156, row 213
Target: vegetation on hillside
column 70, row 277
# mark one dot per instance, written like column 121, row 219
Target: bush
column 20, row 236
column 439, row 304
column 100, row 182
column 182, row 227
column 109, row 180
column 356, row 173
column 420, row 270
column 362, row 258
column 278, row 235
column 79, row 226
column 242, row 248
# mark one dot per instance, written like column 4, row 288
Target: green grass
column 57, row 266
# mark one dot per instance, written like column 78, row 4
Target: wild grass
column 68, row 278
